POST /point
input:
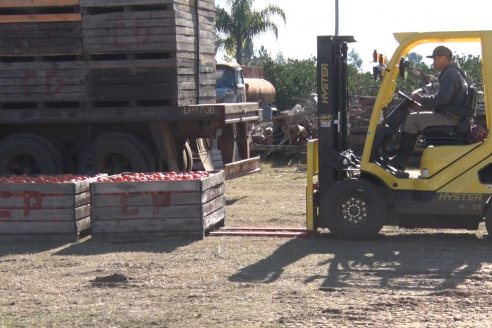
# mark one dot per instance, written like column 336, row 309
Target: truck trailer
column 93, row 86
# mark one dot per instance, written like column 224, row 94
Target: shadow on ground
column 442, row 260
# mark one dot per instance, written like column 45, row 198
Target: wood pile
column 106, row 53
column 290, row 130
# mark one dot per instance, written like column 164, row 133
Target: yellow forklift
column 450, row 185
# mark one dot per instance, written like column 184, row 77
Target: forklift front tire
column 355, row 209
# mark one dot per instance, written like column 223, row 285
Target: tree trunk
column 239, row 52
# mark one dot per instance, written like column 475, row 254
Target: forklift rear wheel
column 357, row 209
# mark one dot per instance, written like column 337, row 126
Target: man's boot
column 407, row 144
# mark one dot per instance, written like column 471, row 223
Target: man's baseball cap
column 441, row 51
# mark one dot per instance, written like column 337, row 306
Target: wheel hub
column 354, row 210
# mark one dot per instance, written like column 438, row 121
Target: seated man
column 439, row 109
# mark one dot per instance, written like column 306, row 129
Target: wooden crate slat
column 44, row 188
column 83, row 224
column 145, row 212
column 158, row 186
column 5, row 19
column 137, row 32
column 161, row 40
column 137, row 212
column 31, row 214
column 140, row 75
column 132, row 64
column 131, row 47
column 38, row 3
column 107, row 3
column 39, row 200
column 213, row 218
column 213, row 205
column 129, row 19
column 149, row 199
column 21, row 228
column 166, row 226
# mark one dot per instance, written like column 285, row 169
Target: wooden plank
column 152, row 198
column 143, row 18
column 39, row 238
column 107, row 3
column 134, row 39
column 213, row 205
column 5, row 19
column 42, row 188
column 33, row 214
column 137, row 32
column 214, row 179
column 20, row 228
column 166, row 226
column 170, row 63
column 131, row 47
column 126, row 212
column 83, row 224
column 213, row 218
column 27, row 200
column 40, row 30
column 38, row 3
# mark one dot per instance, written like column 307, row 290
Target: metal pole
column 336, row 17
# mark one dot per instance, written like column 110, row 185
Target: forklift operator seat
column 446, row 134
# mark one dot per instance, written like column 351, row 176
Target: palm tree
column 243, row 23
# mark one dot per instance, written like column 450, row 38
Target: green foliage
column 240, row 24
column 472, row 66
column 294, row 80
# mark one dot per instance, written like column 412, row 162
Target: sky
column 372, row 23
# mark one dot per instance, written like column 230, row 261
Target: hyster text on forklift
column 449, row 184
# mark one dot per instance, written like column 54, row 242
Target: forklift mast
column 333, row 124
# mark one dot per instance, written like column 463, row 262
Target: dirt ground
column 423, row 278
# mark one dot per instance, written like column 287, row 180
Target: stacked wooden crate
column 148, row 52
column 130, row 211
column 38, row 208
column 101, row 54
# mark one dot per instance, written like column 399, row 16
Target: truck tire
column 357, row 209
column 114, row 153
column 26, row 153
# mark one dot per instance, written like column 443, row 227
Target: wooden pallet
column 137, row 210
column 115, row 53
column 54, row 210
